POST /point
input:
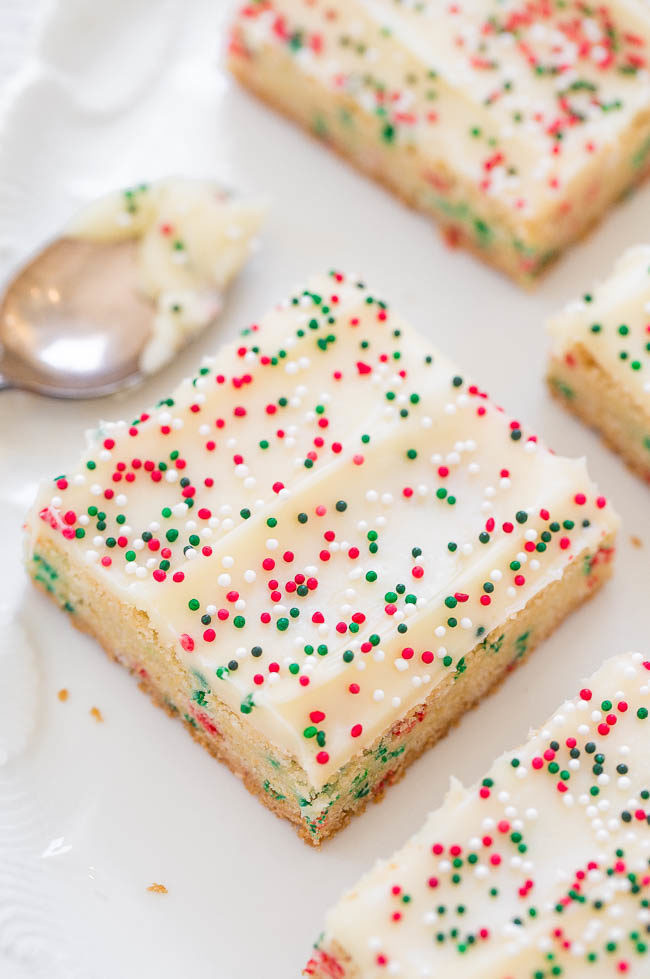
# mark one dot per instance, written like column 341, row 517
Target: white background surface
column 91, row 814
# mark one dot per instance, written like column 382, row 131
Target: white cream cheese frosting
column 542, row 869
column 193, row 238
column 612, row 323
column 325, row 520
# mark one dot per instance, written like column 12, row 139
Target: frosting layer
column 325, row 520
column 193, row 238
column 540, row 870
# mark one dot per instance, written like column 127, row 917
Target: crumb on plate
column 157, row 889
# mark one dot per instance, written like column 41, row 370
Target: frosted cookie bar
column 514, row 124
column 540, row 870
column 600, row 358
column 321, row 550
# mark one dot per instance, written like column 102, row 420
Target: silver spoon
column 72, row 321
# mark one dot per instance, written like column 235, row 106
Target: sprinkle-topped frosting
column 612, row 323
column 325, row 520
column 519, row 97
column 192, row 239
column 540, row 870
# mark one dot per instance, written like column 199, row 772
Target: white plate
column 92, row 814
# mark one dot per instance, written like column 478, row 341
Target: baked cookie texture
column 600, row 358
column 540, row 870
column 321, row 550
column 514, row 124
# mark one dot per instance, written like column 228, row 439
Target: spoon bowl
column 72, row 321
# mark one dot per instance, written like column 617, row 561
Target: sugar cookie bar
column 321, row 550
column 540, row 870
column 514, row 124
column 600, row 358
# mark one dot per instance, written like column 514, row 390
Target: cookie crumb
column 96, row 713
column 62, row 694
column 157, row 889
column 636, row 541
